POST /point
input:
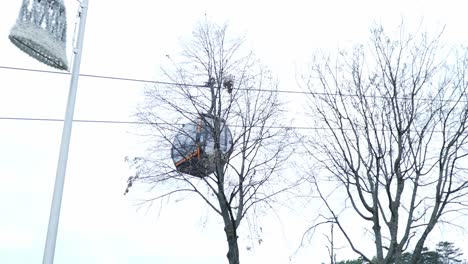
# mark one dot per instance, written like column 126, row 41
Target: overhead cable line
column 116, row 122
column 123, row 122
column 98, row 76
column 137, row 80
column 205, row 85
column 144, row 80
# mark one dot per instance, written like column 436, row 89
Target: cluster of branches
column 394, row 116
column 214, row 75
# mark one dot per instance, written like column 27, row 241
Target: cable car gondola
column 193, row 148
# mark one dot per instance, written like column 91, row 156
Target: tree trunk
column 233, row 251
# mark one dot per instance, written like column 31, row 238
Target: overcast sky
column 130, row 39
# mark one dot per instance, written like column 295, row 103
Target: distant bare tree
column 331, row 247
column 215, row 83
column 391, row 144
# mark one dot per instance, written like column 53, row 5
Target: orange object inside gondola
column 193, row 146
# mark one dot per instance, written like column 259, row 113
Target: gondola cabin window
column 193, row 148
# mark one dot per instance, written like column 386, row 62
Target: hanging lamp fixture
column 41, row 31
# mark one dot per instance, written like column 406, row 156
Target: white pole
column 49, row 250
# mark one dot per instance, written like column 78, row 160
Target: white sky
column 130, row 39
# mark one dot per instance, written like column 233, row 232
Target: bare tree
column 392, row 118
column 220, row 100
